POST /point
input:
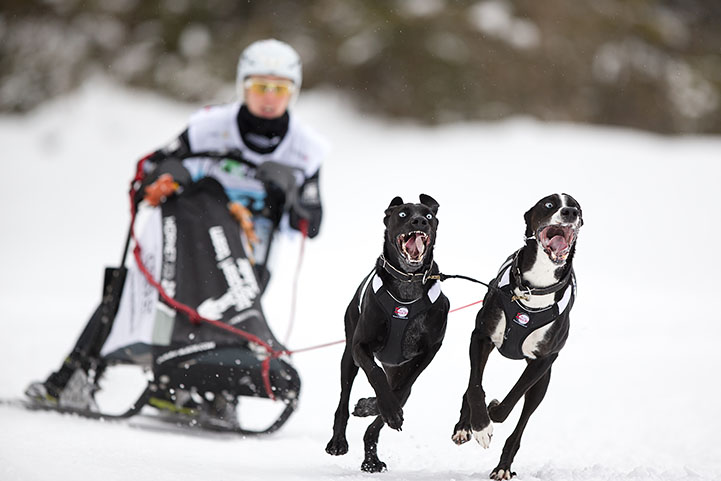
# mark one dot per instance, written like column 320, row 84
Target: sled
column 186, row 308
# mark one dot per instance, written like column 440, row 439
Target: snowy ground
column 634, row 396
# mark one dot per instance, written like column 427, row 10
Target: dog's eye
column 429, row 216
column 549, row 205
column 401, row 214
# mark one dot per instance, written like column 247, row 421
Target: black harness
column 398, row 313
column 521, row 321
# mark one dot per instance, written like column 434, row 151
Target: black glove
column 303, row 203
column 307, row 207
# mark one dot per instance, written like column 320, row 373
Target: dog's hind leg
column 338, row 445
column 535, row 370
column 533, row 398
column 366, row 406
column 371, row 463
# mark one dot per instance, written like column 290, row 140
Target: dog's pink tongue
column 412, row 246
column 419, row 243
column 558, row 243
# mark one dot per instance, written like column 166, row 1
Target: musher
column 258, row 128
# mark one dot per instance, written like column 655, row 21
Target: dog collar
column 537, row 291
column 382, row 263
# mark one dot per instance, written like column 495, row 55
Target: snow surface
column 635, row 393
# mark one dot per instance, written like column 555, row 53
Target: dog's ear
column 394, row 203
column 429, row 202
column 527, row 218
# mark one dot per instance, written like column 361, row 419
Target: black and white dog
column 525, row 315
column 398, row 316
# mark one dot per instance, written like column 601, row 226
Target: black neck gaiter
column 261, row 135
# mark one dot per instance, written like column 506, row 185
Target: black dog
column 525, row 315
column 398, row 315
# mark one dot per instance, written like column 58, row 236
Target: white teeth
column 420, row 241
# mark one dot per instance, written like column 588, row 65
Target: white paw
column 461, row 436
column 484, row 436
column 502, row 474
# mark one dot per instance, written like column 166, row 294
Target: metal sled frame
column 141, row 402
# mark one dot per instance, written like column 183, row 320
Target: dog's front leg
column 388, row 405
column 338, row 445
column 402, row 378
column 474, row 420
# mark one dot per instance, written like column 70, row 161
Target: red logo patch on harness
column 401, row 312
column 522, row 319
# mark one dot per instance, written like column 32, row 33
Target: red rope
column 319, row 346
column 467, row 305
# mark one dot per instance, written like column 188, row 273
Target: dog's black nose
column 418, row 221
column 569, row 214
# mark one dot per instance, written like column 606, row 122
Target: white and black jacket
column 216, row 129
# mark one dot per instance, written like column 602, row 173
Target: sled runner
column 187, row 309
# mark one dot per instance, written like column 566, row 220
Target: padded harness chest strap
column 398, row 316
column 521, row 320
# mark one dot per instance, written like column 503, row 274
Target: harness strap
column 366, row 281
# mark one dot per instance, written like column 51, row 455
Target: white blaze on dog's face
column 411, row 230
column 554, row 221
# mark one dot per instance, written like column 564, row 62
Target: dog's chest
column 411, row 340
column 403, row 340
column 406, row 324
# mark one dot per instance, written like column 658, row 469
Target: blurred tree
column 649, row 64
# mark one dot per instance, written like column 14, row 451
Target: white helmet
column 269, row 57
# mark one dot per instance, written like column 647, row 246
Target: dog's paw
column 391, row 412
column 371, row 464
column 337, row 446
column 484, row 436
column 367, row 406
column 394, row 419
column 502, row 473
column 461, row 436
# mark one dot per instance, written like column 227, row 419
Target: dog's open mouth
column 557, row 241
column 413, row 246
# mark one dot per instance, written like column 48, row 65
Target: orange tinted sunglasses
column 277, row 87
